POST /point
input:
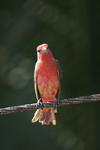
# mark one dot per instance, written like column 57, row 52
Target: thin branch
column 27, row 107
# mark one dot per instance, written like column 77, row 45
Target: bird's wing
column 59, row 78
column 38, row 96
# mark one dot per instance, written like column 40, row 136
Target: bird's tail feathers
column 53, row 118
column 36, row 115
column 45, row 116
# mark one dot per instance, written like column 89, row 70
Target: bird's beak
column 44, row 50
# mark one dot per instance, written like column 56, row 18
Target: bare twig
column 27, row 107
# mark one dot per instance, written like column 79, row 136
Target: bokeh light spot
column 63, row 24
column 48, row 13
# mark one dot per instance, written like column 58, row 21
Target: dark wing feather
column 59, row 78
column 38, row 96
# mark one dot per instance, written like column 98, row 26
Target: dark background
column 72, row 30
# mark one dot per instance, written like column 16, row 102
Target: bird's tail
column 45, row 116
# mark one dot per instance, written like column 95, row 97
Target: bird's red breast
column 47, row 79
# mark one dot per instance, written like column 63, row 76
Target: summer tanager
column 47, row 83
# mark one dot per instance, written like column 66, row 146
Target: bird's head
column 43, row 51
column 43, row 48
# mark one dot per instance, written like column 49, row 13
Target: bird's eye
column 39, row 51
column 48, row 48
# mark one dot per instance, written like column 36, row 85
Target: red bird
column 47, row 83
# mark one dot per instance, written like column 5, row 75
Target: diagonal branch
column 27, row 107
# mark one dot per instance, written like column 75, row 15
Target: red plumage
column 47, row 83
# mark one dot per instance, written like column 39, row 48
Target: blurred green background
column 72, row 30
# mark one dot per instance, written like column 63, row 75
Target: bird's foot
column 56, row 103
column 39, row 102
